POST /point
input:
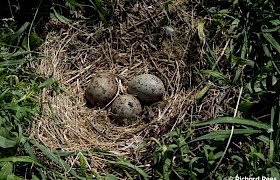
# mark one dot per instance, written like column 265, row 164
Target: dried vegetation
column 141, row 38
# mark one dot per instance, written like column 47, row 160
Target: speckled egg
column 101, row 89
column 147, row 87
column 126, row 106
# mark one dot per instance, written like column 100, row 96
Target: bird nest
column 140, row 39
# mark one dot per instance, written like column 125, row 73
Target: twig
column 232, row 129
column 223, row 52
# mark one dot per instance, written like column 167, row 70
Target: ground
column 141, row 37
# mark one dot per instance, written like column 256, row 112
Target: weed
column 251, row 62
column 103, row 9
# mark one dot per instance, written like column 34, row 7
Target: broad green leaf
column 8, row 143
column 211, row 156
column 245, row 106
column 8, row 138
column 223, row 11
column 222, row 134
column 260, row 155
column 35, row 40
column 275, row 22
column 166, row 169
column 238, row 158
column 183, row 145
column 6, row 170
column 218, row 155
column 274, row 172
column 231, row 120
column 272, row 41
column 13, row 177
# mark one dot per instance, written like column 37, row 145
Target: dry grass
column 135, row 43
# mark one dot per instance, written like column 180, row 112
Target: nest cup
column 68, row 124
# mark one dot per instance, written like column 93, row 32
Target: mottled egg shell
column 126, row 106
column 147, row 87
column 101, row 89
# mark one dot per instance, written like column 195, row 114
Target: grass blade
column 231, row 120
column 24, row 159
column 271, row 152
column 55, row 158
column 272, row 41
column 203, row 91
column 19, row 32
column 29, row 151
column 60, row 17
column 216, row 74
column 13, row 62
column 225, row 134
column 263, row 139
column 74, row 3
column 130, row 166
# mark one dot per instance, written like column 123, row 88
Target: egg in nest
column 126, row 108
column 101, row 89
column 147, row 87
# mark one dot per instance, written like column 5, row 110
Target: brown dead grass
column 135, row 43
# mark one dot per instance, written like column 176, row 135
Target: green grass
column 252, row 58
column 19, row 86
column 18, row 151
column 250, row 66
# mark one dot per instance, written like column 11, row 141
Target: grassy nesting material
column 135, row 45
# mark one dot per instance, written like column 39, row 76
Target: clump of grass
column 18, row 103
column 20, row 152
column 248, row 65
